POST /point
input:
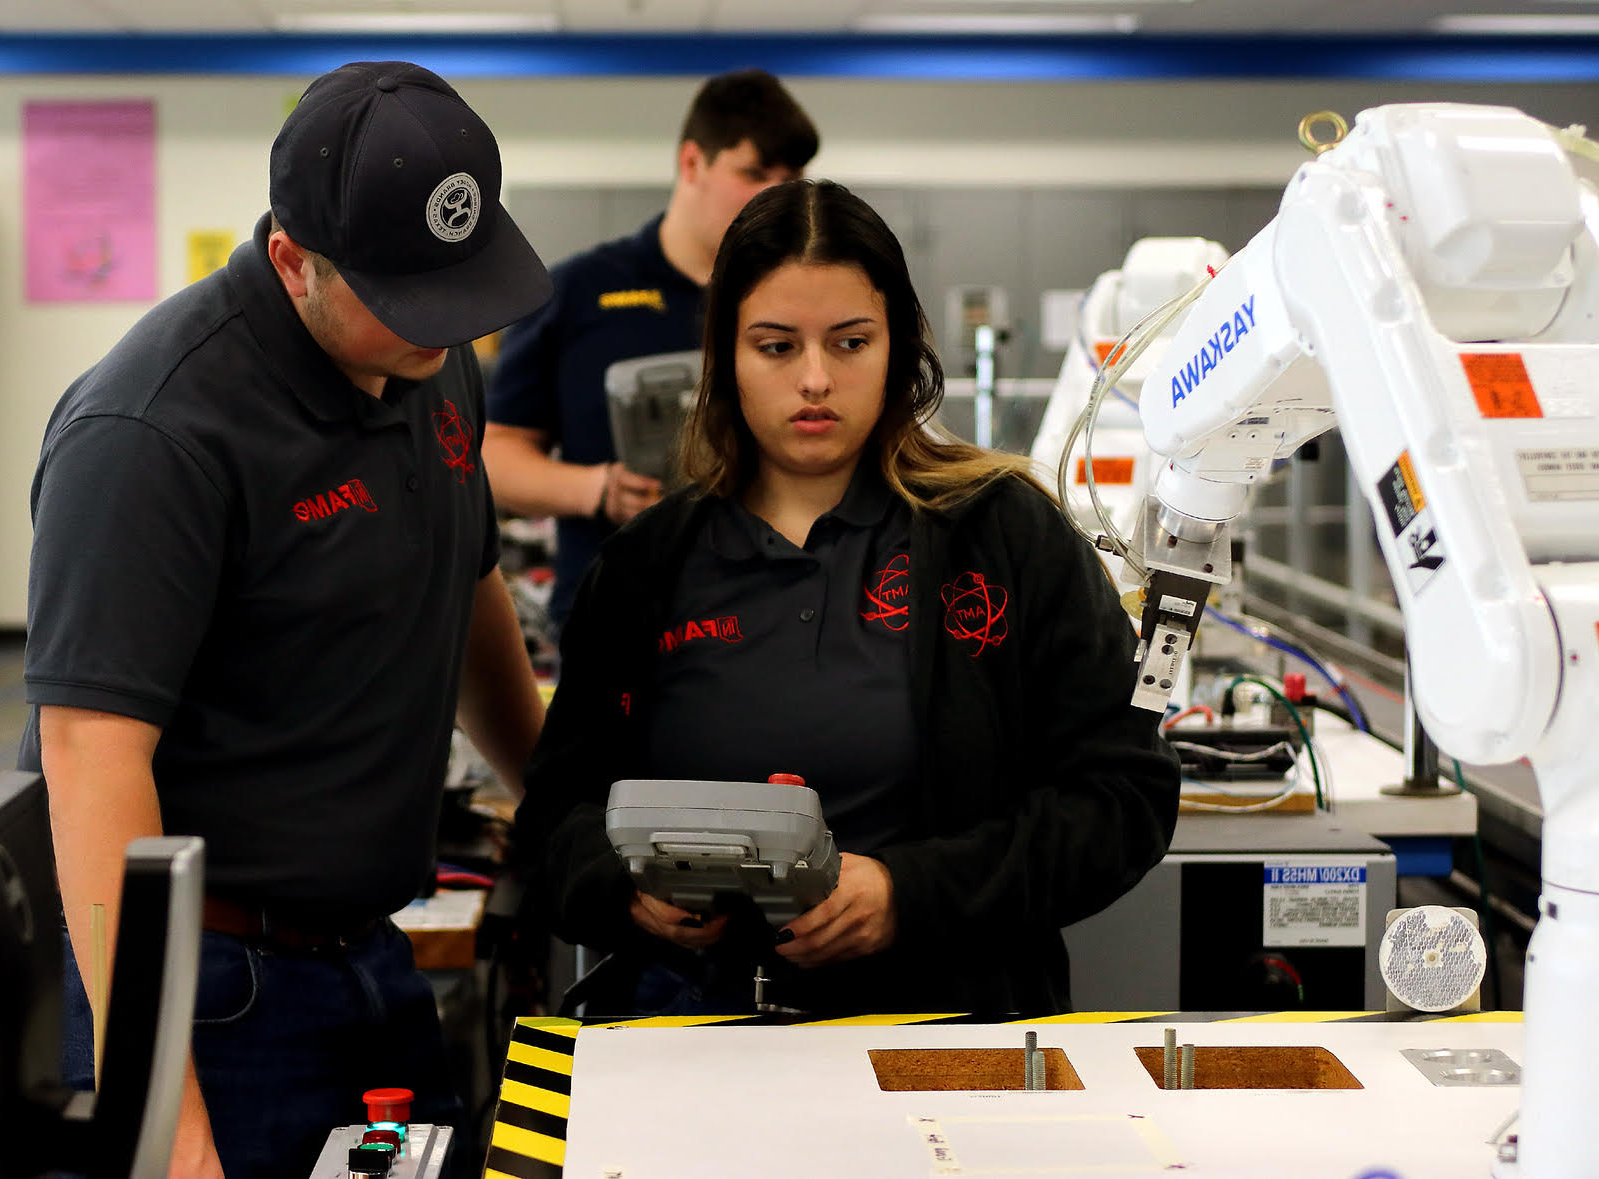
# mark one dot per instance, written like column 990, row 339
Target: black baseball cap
column 382, row 169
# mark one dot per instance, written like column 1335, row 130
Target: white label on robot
column 1421, row 551
column 1183, row 606
column 1566, row 407
column 1560, row 473
column 1562, row 379
column 937, row 1142
column 1317, row 902
column 1411, row 520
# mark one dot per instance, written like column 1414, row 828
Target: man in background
column 264, row 585
column 637, row 296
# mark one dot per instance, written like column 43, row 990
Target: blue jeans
column 285, row 1044
column 703, row 987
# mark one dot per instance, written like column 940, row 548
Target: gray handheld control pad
column 688, row 842
column 648, row 397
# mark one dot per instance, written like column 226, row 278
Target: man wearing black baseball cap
column 384, row 171
column 264, row 586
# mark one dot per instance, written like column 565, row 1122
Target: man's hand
column 194, row 1153
column 858, row 919
column 627, row 494
column 667, row 921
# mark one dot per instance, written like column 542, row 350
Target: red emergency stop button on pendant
column 786, row 780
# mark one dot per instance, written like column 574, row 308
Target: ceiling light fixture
column 996, row 23
column 1517, row 24
column 418, row 22
column 1035, row 5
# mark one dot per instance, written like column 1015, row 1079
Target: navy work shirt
column 618, row 301
column 782, row 659
column 235, row 544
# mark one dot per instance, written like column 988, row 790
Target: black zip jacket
column 1044, row 795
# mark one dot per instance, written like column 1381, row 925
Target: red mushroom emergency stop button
column 388, row 1105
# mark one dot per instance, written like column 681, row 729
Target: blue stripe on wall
column 1028, row 59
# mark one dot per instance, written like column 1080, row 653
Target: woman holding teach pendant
column 902, row 619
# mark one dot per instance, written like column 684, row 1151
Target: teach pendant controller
column 693, row 842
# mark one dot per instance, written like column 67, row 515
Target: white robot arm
column 1431, row 286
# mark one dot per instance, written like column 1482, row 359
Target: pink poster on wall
column 88, row 200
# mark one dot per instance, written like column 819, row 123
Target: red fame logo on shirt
column 335, row 500
column 975, row 610
column 725, row 629
column 455, row 438
column 888, row 594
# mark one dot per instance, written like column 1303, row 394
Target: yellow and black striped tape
column 529, row 1140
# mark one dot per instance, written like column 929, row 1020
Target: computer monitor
column 30, row 964
column 126, row 1130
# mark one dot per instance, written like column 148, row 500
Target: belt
column 257, row 924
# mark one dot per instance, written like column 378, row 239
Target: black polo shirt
column 618, row 301
column 782, row 659
column 236, row 544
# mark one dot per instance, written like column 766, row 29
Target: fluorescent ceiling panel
column 996, row 23
column 417, row 22
column 1518, row 24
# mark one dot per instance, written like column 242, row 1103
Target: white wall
column 214, row 132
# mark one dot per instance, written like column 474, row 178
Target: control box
column 421, row 1154
column 1245, row 913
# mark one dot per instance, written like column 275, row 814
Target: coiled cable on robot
column 1120, row 359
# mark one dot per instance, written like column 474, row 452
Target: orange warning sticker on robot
column 1500, row 384
column 1104, row 349
column 1407, row 472
column 1107, row 470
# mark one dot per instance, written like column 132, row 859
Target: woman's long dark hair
column 817, row 222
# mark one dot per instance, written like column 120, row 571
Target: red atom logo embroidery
column 888, row 598
column 455, row 438
column 975, row 610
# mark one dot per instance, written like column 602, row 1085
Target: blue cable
column 1355, row 712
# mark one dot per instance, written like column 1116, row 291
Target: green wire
column 1293, row 714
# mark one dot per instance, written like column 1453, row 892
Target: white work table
column 1362, row 765
column 734, row 1101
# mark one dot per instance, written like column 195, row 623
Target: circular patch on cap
column 454, row 207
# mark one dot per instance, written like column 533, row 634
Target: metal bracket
column 1464, row 1066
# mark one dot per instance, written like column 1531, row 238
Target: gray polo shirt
column 787, row 659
